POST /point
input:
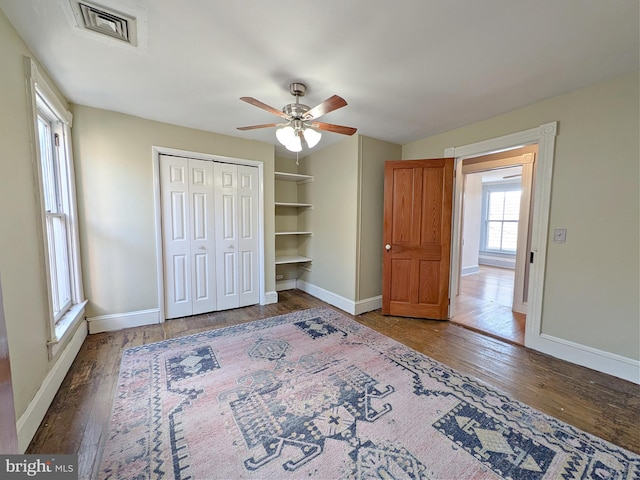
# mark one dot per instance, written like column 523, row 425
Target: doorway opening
column 492, row 275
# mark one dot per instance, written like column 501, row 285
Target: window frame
column 43, row 101
column 487, row 189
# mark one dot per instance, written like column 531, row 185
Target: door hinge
column 56, row 139
column 531, row 254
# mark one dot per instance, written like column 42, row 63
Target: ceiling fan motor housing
column 296, row 110
column 297, row 89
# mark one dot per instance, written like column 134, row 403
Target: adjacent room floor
column 484, row 304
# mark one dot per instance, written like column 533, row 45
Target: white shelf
column 289, row 237
column 290, row 204
column 292, row 259
column 293, row 177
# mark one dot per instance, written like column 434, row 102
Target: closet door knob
column 387, row 247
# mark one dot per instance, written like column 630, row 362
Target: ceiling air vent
column 105, row 21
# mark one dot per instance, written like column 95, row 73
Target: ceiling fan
column 300, row 120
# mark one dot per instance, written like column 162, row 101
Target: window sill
column 65, row 327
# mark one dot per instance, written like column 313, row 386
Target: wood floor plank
column 484, row 304
column 77, row 421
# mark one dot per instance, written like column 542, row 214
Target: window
column 500, row 212
column 52, row 129
column 56, row 218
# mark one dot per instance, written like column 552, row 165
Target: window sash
column 500, row 212
column 57, row 224
column 59, row 274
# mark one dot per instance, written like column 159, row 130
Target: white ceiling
column 408, row 68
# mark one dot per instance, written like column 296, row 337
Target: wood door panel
column 417, row 231
column 428, row 282
column 401, row 280
column 8, row 431
column 431, row 221
column 402, row 226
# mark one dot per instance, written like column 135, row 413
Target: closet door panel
column 202, row 245
column 248, row 236
column 174, row 181
column 226, row 208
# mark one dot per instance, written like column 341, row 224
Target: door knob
column 202, row 247
column 387, row 247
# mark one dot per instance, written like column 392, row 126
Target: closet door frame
column 156, row 152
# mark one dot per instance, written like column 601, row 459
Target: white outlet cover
column 560, row 235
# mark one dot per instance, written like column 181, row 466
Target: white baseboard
column 30, row 420
column 349, row 306
column 498, row 262
column 118, row 321
column 367, row 305
column 599, row 360
column 469, row 270
column 270, row 297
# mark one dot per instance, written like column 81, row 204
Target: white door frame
column 156, row 152
column 544, row 136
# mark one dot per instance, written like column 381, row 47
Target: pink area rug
column 314, row 394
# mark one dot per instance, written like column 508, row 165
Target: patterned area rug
column 314, row 394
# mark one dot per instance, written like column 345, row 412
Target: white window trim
column 61, row 331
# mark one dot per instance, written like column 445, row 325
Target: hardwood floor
column 484, row 304
column 77, row 421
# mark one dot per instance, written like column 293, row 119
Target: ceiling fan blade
column 330, row 127
column 253, row 127
column 329, row 105
column 264, row 106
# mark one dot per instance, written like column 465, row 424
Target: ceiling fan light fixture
column 285, row 135
column 312, row 137
column 294, row 145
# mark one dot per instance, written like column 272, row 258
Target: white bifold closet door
column 210, row 238
column 236, row 235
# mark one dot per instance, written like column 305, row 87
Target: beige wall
column 347, row 194
column 592, row 281
column 333, row 219
column 373, row 154
column 22, row 265
column 114, row 171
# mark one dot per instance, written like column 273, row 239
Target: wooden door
column 418, row 200
column 8, row 433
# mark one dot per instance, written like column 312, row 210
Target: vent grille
column 105, row 21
